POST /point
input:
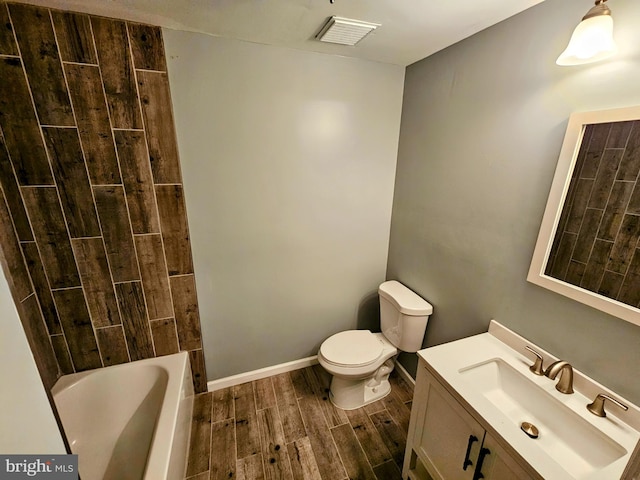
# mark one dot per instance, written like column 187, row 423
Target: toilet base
column 350, row 394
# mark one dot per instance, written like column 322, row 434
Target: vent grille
column 345, row 31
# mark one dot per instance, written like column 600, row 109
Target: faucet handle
column 597, row 406
column 537, row 366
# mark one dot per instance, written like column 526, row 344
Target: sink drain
column 530, row 429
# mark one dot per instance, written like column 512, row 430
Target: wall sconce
column 592, row 40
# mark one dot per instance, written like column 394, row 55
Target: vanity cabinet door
column 499, row 465
column 450, row 440
column 446, row 442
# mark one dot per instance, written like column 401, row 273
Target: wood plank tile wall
column 94, row 237
column 597, row 244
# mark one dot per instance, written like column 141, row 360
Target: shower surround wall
column 94, row 238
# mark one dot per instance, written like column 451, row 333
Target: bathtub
column 129, row 421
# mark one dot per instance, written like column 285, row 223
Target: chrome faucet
column 565, row 384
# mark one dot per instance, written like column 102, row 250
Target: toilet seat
column 352, row 348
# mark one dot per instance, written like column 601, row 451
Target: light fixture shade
column 592, row 40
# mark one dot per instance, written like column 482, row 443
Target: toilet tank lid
column 405, row 300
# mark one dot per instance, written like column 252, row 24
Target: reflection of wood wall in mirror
column 589, row 242
column 596, row 239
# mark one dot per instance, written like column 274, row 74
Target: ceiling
column 410, row 31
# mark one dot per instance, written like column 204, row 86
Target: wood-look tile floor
column 285, row 427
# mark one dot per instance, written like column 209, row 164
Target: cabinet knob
column 467, row 462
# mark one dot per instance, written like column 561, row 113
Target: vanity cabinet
column 445, row 442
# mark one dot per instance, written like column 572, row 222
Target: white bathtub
column 129, row 421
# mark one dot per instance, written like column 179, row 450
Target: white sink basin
column 567, row 438
column 490, row 373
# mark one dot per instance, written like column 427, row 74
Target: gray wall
column 26, row 419
column 482, row 125
column 289, row 162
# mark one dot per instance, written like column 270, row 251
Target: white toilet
column 360, row 361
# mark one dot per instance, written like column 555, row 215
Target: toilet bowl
column 360, row 361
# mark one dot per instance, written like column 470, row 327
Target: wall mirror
column 588, row 247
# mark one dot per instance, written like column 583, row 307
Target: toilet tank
column 403, row 316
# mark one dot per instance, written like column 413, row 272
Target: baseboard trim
column 225, row 382
column 404, row 374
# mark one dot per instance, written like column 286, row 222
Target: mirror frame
column 555, row 204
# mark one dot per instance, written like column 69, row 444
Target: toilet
column 360, row 361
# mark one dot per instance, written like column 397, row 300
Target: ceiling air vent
column 345, row 31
